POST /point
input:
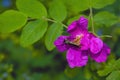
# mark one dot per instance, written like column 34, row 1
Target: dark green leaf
column 77, row 5
column 36, row 76
column 32, row 8
column 71, row 72
column 105, row 18
column 115, row 75
column 53, row 32
column 87, row 73
column 113, row 65
column 42, row 61
column 11, row 20
column 33, row 31
column 101, row 3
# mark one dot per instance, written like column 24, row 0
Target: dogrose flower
column 80, row 44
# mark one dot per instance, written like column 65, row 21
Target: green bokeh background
column 36, row 62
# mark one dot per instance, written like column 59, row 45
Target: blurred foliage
column 28, row 29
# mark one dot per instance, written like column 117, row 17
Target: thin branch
column 109, row 36
column 54, row 21
column 91, row 16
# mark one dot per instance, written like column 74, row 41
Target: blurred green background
column 39, row 61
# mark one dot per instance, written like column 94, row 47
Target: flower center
column 77, row 40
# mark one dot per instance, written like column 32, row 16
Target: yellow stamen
column 76, row 41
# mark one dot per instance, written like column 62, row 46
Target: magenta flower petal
column 102, row 55
column 85, row 42
column 83, row 22
column 76, row 58
column 60, row 44
column 72, row 26
column 78, row 27
column 96, row 45
column 74, row 29
column 107, row 49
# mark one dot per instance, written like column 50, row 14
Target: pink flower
column 80, row 44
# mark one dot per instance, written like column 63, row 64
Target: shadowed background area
column 31, row 55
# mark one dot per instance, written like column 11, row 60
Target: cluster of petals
column 80, row 44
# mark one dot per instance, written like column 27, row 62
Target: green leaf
column 33, row 31
column 77, row 6
column 53, row 32
column 115, row 75
column 11, row 20
column 58, row 11
column 97, row 4
column 113, row 65
column 105, row 18
column 32, row 8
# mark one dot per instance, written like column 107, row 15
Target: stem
column 106, row 36
column 64, row 25
column 91, row 16
column 47, row 19
column 54, row 21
